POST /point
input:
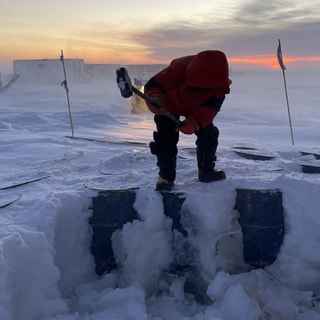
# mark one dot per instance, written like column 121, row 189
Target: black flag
column 279, row 55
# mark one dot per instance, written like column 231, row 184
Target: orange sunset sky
column 156, row 32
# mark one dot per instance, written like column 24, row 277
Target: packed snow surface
column 46, row 268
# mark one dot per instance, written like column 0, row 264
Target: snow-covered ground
column 46, row 269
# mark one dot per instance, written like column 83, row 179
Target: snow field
column 46, row 269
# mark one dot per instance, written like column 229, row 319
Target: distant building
column 48, row 70
column 51, row 71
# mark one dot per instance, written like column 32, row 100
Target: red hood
column 208, row 69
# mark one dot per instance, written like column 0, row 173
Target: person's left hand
column 156, row 106
column 188, row 126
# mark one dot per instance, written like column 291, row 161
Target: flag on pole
column 279, row 55
column 65, row 85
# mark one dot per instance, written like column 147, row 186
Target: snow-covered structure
column 48, row 70
column 51, row 71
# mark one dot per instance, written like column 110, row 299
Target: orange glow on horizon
column 146, row 58
column 141, row 56
column 272, row 61
column 260, row 61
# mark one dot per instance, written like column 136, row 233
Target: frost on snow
column 46, row 268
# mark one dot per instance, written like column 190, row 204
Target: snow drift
column 47, row 270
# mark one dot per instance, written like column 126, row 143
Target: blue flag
column 279, row 55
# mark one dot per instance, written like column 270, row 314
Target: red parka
column 193, row 86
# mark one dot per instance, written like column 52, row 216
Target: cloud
column 250, row 28
column 240, row 28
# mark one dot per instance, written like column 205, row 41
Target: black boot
column 212, row 175
column 165, row 148
column 207, row 144
column 164, row 185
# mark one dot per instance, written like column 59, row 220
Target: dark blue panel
column 111, row 210
column 251, row 156
column 172, row 203
column 114, row 208
column 262, row 223
column 310, row 169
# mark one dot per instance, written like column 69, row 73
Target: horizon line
column 262, row 61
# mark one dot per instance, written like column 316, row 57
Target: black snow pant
column 165, row 148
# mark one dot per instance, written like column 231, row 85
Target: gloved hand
column 156, row 106
column 189, row 126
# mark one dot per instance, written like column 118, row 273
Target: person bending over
column 193, row 87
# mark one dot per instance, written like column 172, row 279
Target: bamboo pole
column 288, row 108
column 279, row 55
column 65, row 85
